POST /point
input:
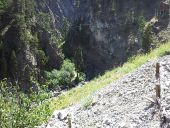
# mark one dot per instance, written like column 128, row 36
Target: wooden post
column 157, row 71
column 69, row 121
column 158, row 91
column 158, row 86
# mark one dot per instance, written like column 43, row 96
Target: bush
column 4, row 4
column 64, row 77
column 19, row 110
column 42, row 59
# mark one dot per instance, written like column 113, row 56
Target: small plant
column 87, row 102
column 65, row 77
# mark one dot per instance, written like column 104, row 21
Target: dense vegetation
column 19, row 110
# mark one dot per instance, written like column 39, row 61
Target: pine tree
column 3, row 67
column 147, row 39
column 78, row 58
column 13, row 64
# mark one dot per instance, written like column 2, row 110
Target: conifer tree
column 78, row 58
column 147, row 39
column 13, row 64
column 3, row 67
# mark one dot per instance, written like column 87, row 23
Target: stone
column 61, row 115
column 107, row 122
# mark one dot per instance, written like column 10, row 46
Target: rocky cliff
column 108, row 32
column 37, row 35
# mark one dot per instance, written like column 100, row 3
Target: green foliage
column 147, row 39
column 141, row 21
column 87, row 102
column 30, row 12
column 19, row 110
column 65, row 28
column 62, row 77
column 44, row 21
column 42, row 59
column 81, row 77
column 3, row 67
column 4, row 4
column 13, row 63
column 145, row 28
column 78, row 58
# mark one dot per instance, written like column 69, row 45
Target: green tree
column 42, row 59
column 13, row 64
column 3, row 67
column 4, row 4
column 79, row 63
column 141, row 22
column 147, row 38
column 62, row 78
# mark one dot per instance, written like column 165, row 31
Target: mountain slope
column 124, row 103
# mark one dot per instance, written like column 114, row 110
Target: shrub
column 88, row 101
column 63, row 77
column 4, row 4
column 19, row 110
column 42, row 59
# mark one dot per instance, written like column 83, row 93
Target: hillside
column 58, row 54
column 129, row 102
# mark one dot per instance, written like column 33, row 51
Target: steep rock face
column 108, row 31
column 29, row 43
column 59, row 11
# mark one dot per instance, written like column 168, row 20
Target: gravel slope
column 122, row 104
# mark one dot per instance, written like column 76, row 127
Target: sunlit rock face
column 107, row 31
